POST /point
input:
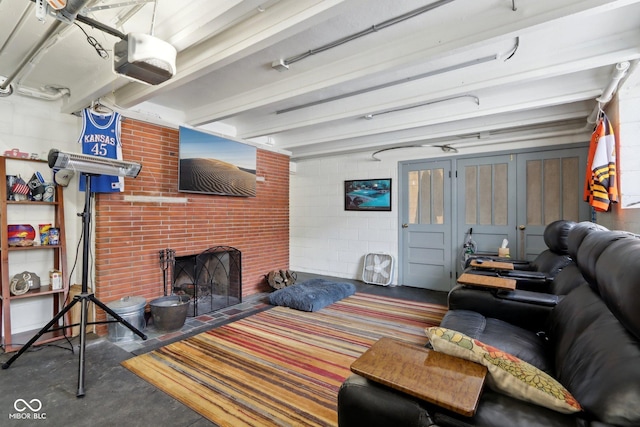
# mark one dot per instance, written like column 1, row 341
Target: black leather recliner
column 570, row 277
column 589, row 342
column 538, row 274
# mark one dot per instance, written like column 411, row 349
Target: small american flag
column 20, row 187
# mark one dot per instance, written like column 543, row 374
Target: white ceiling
column 464, row 73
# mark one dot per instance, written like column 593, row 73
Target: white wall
column 623, row 113
column 326, row 239
column 36, row 126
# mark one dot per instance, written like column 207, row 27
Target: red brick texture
column 130, row 234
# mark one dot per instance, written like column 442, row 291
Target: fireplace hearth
column 212, row 279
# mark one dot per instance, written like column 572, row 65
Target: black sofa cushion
column 568, row 279
column 577, row 235
column 597, row 358
column 520, row 342
column 592, row 248
column 556, row 236
column 362, row 402
column 618, row 277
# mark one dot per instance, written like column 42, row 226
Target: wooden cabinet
column 26, row 209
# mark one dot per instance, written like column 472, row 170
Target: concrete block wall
column 326, row 239
column 35, row 126
column 623, row 113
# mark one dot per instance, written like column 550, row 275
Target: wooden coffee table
column 447, row 381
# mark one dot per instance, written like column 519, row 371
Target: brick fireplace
column 133, row 226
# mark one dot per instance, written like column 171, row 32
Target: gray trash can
column 131, row 309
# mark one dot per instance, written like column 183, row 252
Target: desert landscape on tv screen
column 213, row 164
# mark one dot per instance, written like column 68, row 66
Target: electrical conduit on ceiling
column 68, row 15
column 71, row 10
column 618, row 74
column 16, row 29
column 283, row 64
column 7, row 83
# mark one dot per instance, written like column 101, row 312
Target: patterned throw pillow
column 506, row 373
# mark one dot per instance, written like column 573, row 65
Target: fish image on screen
column 212, row 164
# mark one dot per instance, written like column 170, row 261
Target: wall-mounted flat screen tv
column 212, row 164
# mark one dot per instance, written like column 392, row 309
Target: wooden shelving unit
column 12, row 341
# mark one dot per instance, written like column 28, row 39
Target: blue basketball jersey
column 101, row 137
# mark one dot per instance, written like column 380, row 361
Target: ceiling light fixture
column 283, row 64
column 372, row 115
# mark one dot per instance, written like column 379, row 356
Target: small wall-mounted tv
column 212, row 164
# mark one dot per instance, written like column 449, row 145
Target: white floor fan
column 378, row 269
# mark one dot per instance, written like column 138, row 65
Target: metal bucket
column 170, row 312
column 130, row 309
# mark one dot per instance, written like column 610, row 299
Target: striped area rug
column 280, row 367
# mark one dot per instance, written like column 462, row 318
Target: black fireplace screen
column 212, row 278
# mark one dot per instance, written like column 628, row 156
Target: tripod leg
column 116, row 316
column 42, row 331
column 83, row 344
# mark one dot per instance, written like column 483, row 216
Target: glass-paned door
column 425, row 234
column 551, row 189
column 486, row 194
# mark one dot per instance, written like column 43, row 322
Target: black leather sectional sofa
column 586, row 335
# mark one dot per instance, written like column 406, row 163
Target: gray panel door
column 486, row 194
column 549, row 189
column 426, row 218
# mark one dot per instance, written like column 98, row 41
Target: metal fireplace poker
column 167, row 260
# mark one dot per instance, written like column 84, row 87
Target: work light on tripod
column 93, row 165
column 90, row 166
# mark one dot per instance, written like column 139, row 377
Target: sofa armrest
column 362, row 402
column 524, row 275
column 526, row 309
column 529, row 297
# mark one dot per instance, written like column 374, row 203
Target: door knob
column 522, row 227
column 405, row 225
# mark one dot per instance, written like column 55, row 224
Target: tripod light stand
column 90, row 166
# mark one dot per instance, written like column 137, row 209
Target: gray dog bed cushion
column 311, row 295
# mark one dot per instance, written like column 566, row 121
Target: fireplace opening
column 212, row 279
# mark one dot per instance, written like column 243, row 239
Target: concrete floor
column 48, row 376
